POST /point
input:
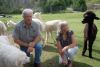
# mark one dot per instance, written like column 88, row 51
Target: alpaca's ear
column 97, row 18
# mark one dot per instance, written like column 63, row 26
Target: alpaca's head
column 4, row 40
column 11, row 23
column 23, row 58
column 89, row 17
column 37, row 15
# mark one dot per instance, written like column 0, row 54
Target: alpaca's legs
column 85, row 47
column 90, row 47
column 46, row 38
column 91, row 41
column 52, row 37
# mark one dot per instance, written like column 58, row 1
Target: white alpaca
column 49, row 26
column 11, row 23
column 37, row 18
column 3, row 28
column 40, row 24
column 11, row 56
column 37, row 15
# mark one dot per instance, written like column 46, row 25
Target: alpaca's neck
column 90, row 27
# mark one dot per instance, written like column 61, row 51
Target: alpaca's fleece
column 53, row 25
column 37, row 15
column 11, row 56
column 40, row 24
column 11, row 23
column 49, row 26
column 3, row 28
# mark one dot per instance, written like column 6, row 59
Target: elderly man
column 27, row 35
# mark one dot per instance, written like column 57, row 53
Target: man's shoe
column 26, row 65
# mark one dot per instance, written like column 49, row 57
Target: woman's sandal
column 69, row 62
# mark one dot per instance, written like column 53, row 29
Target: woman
column 66, row 45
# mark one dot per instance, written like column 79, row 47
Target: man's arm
column 21, row 43
column 16, row 37
column 35, row 41
column 37, row 35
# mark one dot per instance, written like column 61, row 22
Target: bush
column 79, row 5
column 16, row 11
column 53, row 5
column 59, row 5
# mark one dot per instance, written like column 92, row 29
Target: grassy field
column 50, row 56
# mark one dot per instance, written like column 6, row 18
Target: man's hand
column 30, row 49
column 31, row 44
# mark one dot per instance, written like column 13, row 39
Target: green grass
column 49, row 56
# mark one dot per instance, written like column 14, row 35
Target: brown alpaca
column 90, row 31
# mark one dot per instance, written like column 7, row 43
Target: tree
column 79, row 5
column 68, row 3
column 53, row 5
column 7, row 6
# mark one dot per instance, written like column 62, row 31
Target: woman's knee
column 73, row 51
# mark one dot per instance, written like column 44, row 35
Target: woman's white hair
column 27, row 11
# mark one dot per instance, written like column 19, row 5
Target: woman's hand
column 65, row 49
column 64, row 61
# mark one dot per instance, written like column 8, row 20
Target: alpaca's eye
column 86, row 15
